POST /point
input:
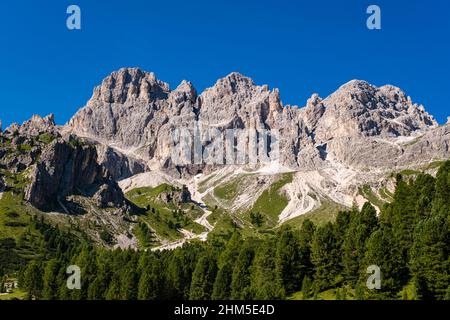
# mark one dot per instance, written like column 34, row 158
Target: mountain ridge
column 235, row 101
column 340, row 150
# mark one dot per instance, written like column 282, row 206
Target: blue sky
column 300, row 47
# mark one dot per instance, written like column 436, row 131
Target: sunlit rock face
column 134, row 111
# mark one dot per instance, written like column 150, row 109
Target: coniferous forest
column 409, row 241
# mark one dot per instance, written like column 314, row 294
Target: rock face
column 134, row 111
column 37, row 125
column 64, row 169
column 360, row 109
column 236, row 102
column 18, row 152
column 109, row 195
column 118, row 165
column 177, row 196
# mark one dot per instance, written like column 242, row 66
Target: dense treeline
column 409, row 241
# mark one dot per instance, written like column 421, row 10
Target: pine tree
column 222, row 283
column 129, row 282
column 424, row 186
column 96, row 290
column 441, row 201
column 306, row 287
column 430, row 262
column 265, row 273
column 113, row 292
column 288, row 265
column 305, row 238
column 179, row 269
column 382, row 252
column 151, row 281
column 32, row 280
column 240, row 284
column 402, row 217
column 149, row 286
column 325, row 257
column 341, row 226
column 203, row 278
column 354, row 245
column 50, row 285
column 86, row 259
column 231, row 250
column 369, row 217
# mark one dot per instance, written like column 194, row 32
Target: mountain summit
column 133, row 110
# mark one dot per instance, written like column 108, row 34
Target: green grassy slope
column 272, row 202
column 165, row 218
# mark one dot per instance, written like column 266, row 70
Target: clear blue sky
column 300, row 47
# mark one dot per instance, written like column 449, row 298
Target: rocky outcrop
column 175, row 195
column 109, row 195
column 118, row 165
column 236, row 102
column 61, row 169
column 123, row 109
column 17, row 153
column 38, row 125
column 359, row 109
column 65, row 168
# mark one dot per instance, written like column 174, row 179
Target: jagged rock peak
column 313, row 111
column 236, row 101
column 129, row 85
column 356, row 84
column 37, row 125
column 234, row 82
column 360, row 109
column 372, row 97
column 184, row 92
column 314, row 100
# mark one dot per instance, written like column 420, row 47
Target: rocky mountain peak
column 234, row 82
column 357, row 85
column 184, row 92
column 360, row 109
column 236, row 100
column 128, row 85
column 37, row 125
column 313, row 111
